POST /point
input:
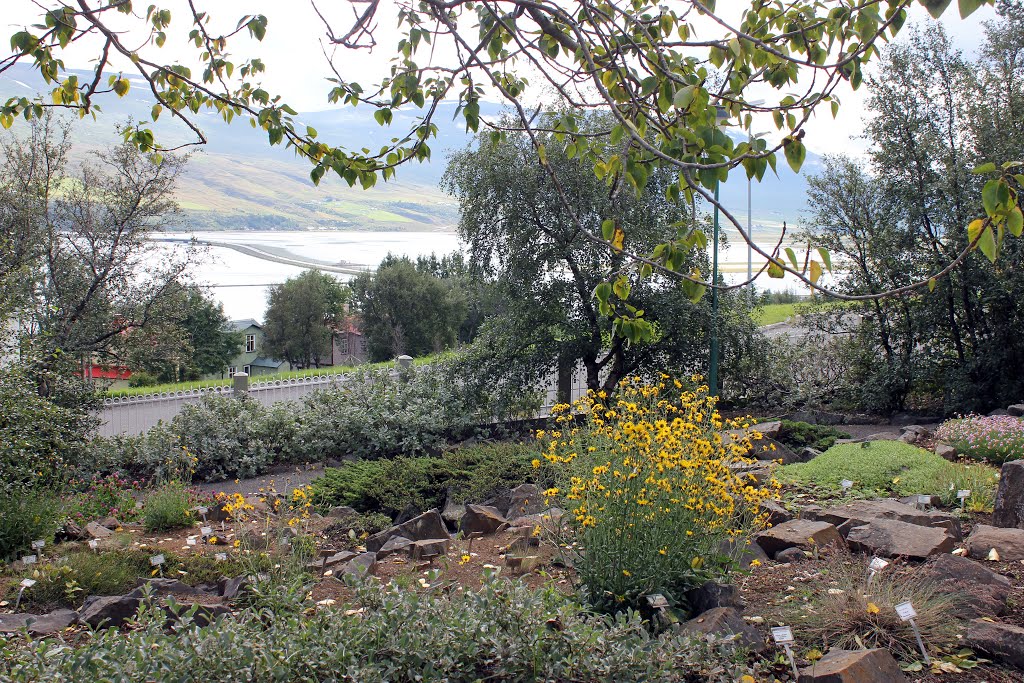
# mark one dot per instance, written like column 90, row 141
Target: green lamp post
column 721, row 114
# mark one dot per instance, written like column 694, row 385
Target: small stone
column 726, row 622
column 361, row 565
column 790, row 555
column 430, row 548
column 108, row 610
column 481, row 518
column 798, row 533
column 525, row 499
column 712, row 595
column 428, row 525
column 98, row 531
column 38, row 624
column 394, row 545
column 854, row 666
column 945, row 451
column 775, row 513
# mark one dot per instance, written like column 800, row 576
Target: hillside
column 238, row 181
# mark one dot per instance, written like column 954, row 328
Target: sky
column 293, row 51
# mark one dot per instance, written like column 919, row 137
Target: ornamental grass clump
column 995, row 439
column 657, row 507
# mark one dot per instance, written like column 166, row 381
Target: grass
column 773, row 313
column 166, row 508
column 894, row 468
column 209, row 383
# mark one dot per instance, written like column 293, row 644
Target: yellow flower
column 872, row 608
column 755, row 563
column 625, row 572
column 464, row 559
column 535, row 463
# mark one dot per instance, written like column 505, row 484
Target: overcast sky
column 293, row 53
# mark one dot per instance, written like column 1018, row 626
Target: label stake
column 907, row 612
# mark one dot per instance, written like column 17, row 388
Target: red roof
column 106, row 372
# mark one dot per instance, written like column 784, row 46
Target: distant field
column 774, row 313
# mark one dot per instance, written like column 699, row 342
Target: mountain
column 238, row 181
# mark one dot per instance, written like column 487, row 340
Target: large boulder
column 1017, row 409
column 38, row 624
column 482, row 519
column 892, row 538
column 978, row 591
column 774, row 512
column 711, row 595
column 726, row 622
column 361, row 565
column 798, row 533
column 944, row 450
column 420, row 528
column 1001, row 641
column 1009, row 508
column 854, row 666
column 109, row 610
column 859, row 512
column 1008, row 543
column 98, row 531
column 525, row 499
column 549, row 520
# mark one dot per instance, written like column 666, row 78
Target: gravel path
column 282, row 479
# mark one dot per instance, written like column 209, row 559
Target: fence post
column 241, row 384
column 404, row 362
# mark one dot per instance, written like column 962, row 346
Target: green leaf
column 936, row 7
column 995, row 195
column 694, row 291
column 968, row 7
column 931, row 284
column 826, row 258
column 684, row 97
column 1015, row 221
column 608, row 229
column 795, row 154
column 984, row 168
column 775, row 270
column 792, row 258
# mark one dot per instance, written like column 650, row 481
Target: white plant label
column 93, row 543
column 38, row 545
column 782, row 635
column 221, row 557
column 963, row 493
column 28, row 583
column 906, row 611
column 156, row 560
column 846, row 484
column 206, row 530
column 924, row 500
column 877, row 564
column 190, row 541
column 29, row 559
column 203, row 511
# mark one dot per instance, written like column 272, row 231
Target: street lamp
column 721, row 114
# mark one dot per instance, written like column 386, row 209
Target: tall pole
column 713, row 370
column 750, row 228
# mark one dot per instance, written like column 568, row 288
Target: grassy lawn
column 206, row 383
column 774, row 313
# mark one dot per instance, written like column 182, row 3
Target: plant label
column 29, row 559
column 924, row 501
column 846, row 484
column 206, row 530
column 782, row 635
column 878, row 564
column 221, row 557
column 657, row 601
column 203, row 511
column 963, row 494
column 38, row 545
column 94, row 544
column 28, row 583
column 190, row 541
column 906, row 611
column 156, row 560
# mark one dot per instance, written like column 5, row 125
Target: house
column 250, row 360
column 349, row 345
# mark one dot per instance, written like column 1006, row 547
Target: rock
column 769, row 429
column 109, row 610
column 1009, row 507
column 880, row 436
column 790, row 555
column 452, row 512
column 798, row 533
column 1009, row 543
column 230, row 588
column 860, row 512
column 204, row 614
column 72, row 532
column 343, row 512
column 502, row 501
column 344, row 556
column 1001, row 641
column 744, row 551
column 361, row 565
column 807, row 454
column 772, row 450
column 165, row 586
column 424, row 526
column 215, row 512
column 775, row 512
column 98, row 531
column 945, row 451
column 1017, row 409
column 919, row 502
column 481, row 519
column 525, row 499
column 892, row 538
column 549, row 519
column 428, row 549
column 810, row 512
column 998, row 412
column 38, row 624
column 395, row 544
column 726, row 622
column 712, row 595
column 854, row 666
column 978, row 591
column 110, row 522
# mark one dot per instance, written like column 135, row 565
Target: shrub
column 502, row 633
column 26, row 515
column 469, row 474
column 841, row 611
column 167, row 507
column 994, row 439
column 98, row 497
column 654, row 500
column 890, row 468
column 799, row 435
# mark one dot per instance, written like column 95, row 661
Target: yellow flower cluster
column 235, row 505
column 654, row 471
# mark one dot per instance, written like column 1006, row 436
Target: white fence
column 137, row 414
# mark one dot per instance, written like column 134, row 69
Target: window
column 343, row 344
column 232, row 370
column 250, row 343
column 362, row 344
column 247, row 369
